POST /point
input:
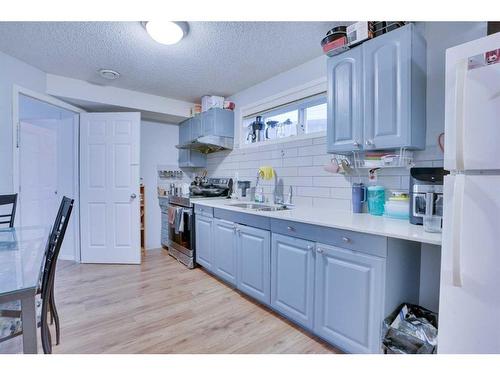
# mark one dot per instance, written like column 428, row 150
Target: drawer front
column 362, row 242
column 243, row 218
column 203, row 210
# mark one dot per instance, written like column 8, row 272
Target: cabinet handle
column 319, row 250
column 310, row 247
column 346, row 239
column 291, row 229
column 369, row 142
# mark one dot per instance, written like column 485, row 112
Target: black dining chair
column 4, row 201
column 46, row 303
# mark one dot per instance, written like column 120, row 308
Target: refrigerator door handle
column 461, row 75
column 456, row 229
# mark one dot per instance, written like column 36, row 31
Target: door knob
column 319, row 250
column 133, row 196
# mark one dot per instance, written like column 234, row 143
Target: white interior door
column 38, row 174
column 109, row 187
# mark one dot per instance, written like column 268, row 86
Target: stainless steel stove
column 179, row 217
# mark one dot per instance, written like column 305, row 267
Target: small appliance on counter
column 426, row 196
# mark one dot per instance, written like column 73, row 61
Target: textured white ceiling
column 218, row 58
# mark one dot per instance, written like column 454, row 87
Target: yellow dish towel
column 266, row 173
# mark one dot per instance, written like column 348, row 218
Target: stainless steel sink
column 259, row 207
column 251, row 206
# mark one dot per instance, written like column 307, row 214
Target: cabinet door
column 254, row 261
column 387, row 93
column 349, row 295
column 204, row 248
column 345, row 117
column 185, row 132
column 224, row 250
column 292, row 278
column 196, row 129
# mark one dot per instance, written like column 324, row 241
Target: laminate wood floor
column 162, row 307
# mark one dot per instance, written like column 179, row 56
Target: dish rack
column 401, row 158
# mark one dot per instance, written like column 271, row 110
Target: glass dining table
column 22, row 252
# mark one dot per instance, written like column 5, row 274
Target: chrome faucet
column 289, row 198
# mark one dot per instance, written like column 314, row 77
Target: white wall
column 12, row 71
column 157, row 148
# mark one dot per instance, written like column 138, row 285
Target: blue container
column 376, row 200
column 358, row 197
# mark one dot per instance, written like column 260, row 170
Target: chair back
column 8, row 218
column 55, row 240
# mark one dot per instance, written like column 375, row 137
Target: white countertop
column 340, row 219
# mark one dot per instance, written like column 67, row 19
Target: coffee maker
column 426, row 193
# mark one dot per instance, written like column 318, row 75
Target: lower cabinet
column 338, row 294
column 204, row 248
column 349, row 298
column 254, row 253
column 224, row 250
column 292, row 278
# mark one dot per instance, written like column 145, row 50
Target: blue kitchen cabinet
column 345, row 113
column 224, row 250
column 195, row 127
column 185, row 132
column 217, row 122
column 191, row 159
column 254, row 259
column 377, row 94
column 292, row 278
column 204, row 243
column 395, row 87
column 349, row 296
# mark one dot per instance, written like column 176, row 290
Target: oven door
column 181, row 235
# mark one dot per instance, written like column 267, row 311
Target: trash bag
column 410, row 329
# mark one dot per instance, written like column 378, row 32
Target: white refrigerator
column 469, row 306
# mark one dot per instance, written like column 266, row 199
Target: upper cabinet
column 185, row 131
column 217, row 121
column 377, row 94
column 345, row 115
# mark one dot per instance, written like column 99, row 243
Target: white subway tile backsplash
column 300, row 164
column 341, row 193
column 332, row 181
column 312, row 150
column 313, row 171
column 309, row 191
column 298, row 161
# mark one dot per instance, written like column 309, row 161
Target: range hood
column 208, row 143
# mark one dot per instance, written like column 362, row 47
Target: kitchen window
column 304, row 116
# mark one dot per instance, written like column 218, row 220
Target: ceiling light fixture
column 166, row 32
column 109, row 74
